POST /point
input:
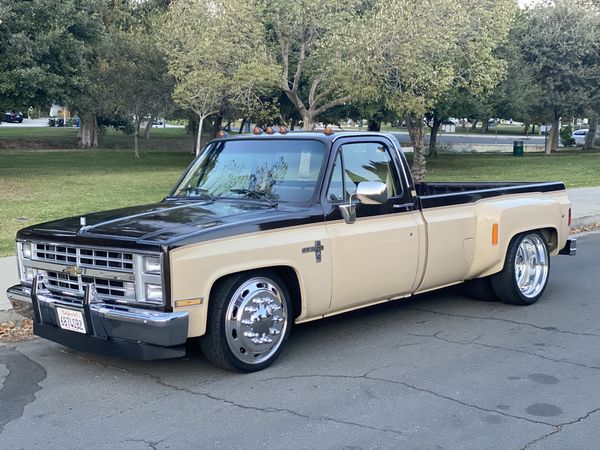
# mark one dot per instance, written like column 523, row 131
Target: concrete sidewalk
column 586, row 210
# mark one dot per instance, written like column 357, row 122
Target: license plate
column 69, row 319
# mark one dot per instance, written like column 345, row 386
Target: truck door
column 376, row 257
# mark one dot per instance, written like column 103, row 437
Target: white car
column 579, row 136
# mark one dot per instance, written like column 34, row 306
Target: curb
column 10, row 315
column 585, row 220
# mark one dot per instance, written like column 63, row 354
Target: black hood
column 172, row 222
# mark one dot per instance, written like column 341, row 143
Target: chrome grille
column 84, row 257
column 108, row 289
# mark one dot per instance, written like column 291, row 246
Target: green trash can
column 518, row 148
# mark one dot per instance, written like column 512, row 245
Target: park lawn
column 576, row 168
column 40, row 186
column 37, row 186
column 33, row 138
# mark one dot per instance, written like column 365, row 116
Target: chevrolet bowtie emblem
column 73, row 271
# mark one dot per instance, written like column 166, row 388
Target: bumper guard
column 117, row 330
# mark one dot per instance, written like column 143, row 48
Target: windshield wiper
column 197, row 190
column 256, row 194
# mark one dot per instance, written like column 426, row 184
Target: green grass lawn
column 27, row 138
column 41, row 186
column 37, row 186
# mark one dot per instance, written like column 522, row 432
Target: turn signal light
column 495, row 234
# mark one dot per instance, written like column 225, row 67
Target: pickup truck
column 273, row 229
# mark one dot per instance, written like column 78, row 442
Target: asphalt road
column 477, row 138
column 437, row 371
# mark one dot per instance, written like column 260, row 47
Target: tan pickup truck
column 268, row 230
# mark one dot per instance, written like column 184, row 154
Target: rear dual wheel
column 524, row 276
column 249, row 320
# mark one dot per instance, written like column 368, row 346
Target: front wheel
column 524, row 277
column 249, row 321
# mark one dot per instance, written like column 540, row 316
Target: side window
column 336, row 185
column 369, row 161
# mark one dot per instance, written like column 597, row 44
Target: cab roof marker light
column 222, row 134
column 283, row 130
column 328, row 131
column 257, row 130
column 269, row 130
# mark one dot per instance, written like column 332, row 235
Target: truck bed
column 431, row 195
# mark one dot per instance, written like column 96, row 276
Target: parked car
column 268, row 230
column 580, row 135
column 12, row 117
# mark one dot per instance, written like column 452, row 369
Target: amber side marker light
column 257, row 130
column 328, row 131
column 188, row 302
column 495, row 234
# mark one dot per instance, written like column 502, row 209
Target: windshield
column 269, row 170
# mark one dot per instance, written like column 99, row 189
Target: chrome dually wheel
column 524, row 277
column 249, row 320
column 531, row 265
column 256, row 320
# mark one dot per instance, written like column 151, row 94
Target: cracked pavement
column 435, row 371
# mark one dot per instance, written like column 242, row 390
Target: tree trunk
column 87, row 136
column 199, row 136
column 373, row 125
column 591, row 134
column 484, row 126
column 475, row 122
column 308, row 122
column 532, row 129
column 216, row 126
column 435, row 128
column 555, row 131
column 148, row 128
column 242, row 125
column 136, row 137
column 526, row 128
column 414, row 124
column 292, row 124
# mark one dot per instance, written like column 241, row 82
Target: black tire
column 481, row 289
column 506, row 284
column 216, row 344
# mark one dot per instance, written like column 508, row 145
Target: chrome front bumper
column 111, row 329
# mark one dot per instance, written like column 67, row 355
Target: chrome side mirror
column 372, row 192
column 368, row 193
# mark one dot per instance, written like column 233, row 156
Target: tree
column 424, row 49
column 559, row 43
column 210, row 45
column 135, row 78
column 46, row 50
column 319, row 49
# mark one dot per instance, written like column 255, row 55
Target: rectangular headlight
column 26, row 250
column 152, row 264
column 154, row 293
